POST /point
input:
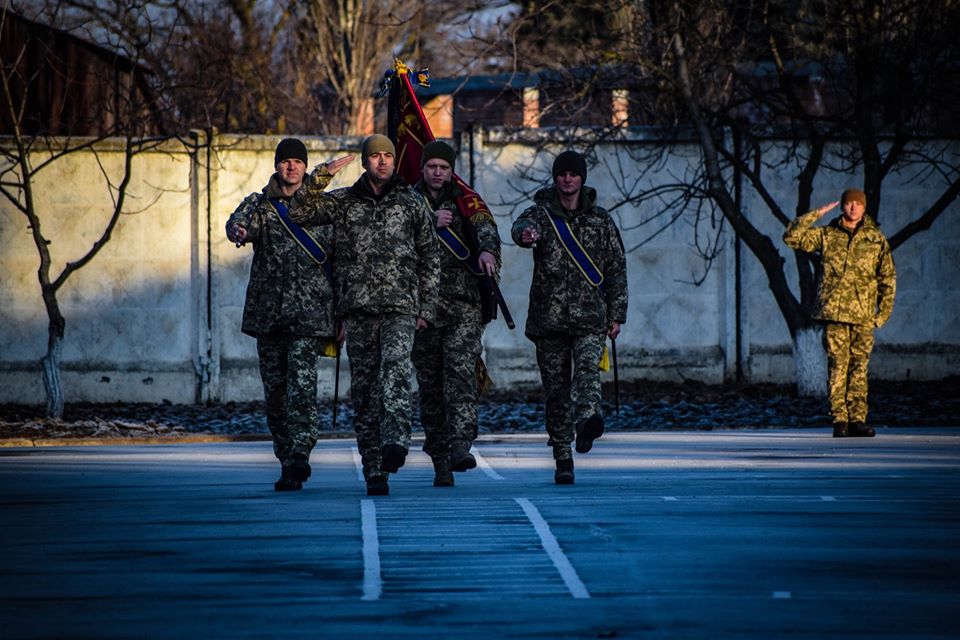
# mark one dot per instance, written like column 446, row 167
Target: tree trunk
column 51, row 376
column 810, row 361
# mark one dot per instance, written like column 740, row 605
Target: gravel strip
column 644, row 406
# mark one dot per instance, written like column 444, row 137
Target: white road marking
column 552, row 547
column 828, row 498
column 372, row 582
column 358, row 463
column 782, row 595
column 485, row 466
column 669, row 498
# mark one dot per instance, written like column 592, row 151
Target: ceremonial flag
column 409, row 130
column 407, row 126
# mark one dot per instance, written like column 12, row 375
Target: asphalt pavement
column 719, row 534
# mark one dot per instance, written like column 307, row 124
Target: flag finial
column 422, row 77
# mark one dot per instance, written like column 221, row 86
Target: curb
column 200, row 438
column 212, row 438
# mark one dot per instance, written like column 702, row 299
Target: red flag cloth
column 413, row 132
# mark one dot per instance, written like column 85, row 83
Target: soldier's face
column 568, row 183
column 379, row 166
column 436, row 173
column 853, row 212
column 291, row 171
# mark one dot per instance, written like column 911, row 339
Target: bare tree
column 866, row 87
column 347, row 45
column 53, row 84
column 870, row 80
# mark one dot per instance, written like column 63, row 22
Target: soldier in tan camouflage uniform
column 288, row 309
column 855, row 296
column 386, row 269
column 569, row 317
column 445, row 354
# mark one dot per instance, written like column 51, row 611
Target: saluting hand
column 333, row 166
column 827, row 208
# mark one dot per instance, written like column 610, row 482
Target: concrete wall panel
column 156, row 315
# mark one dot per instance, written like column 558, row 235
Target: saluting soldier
column 386, row 271
column 288, row 308
column 578, row 297
column 855, row 296
column 445, row 354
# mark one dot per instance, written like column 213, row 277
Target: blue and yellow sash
column 576, row 251
column 583, row 261
column 307, row 242
column 459, row 249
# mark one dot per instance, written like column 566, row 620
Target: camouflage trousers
column 446, row 362
column 848, row 353
column 569, row 369
column 288, row 370
column 380, row 369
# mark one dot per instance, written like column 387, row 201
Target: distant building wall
column 156, row 315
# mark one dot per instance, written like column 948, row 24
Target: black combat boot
column 300, row 468
column 564, row 472
column 442, row 475
column 588, row 431
column 460, row 457
column 860, row 430
column 840, row 430
column 286, row 482
column 377, row 486
column 393, row 457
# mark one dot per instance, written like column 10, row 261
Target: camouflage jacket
column 386, row 258
column 561, row 299
column 459, row 293
column 288, row 291
column 859, row 280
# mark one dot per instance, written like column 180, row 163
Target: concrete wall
column 156, row 315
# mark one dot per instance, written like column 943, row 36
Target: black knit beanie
column 290, row 148
column 570, row 161
column 437, row 149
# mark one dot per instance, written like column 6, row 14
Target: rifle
column 473, row 243
column 336, row 383
column 616, row 375
column 502, row 303
column 336, row 390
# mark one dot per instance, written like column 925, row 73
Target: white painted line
column 372, row 583
column 358, row 463
column 828, row 498
column 669, row 498
column 552, row 547
column 485, row 466
column 782, row 595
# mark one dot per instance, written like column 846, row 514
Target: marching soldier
column 386, row 271
column 855, row 296
column 578, row 297
column 445, row 354
column 288, row 309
